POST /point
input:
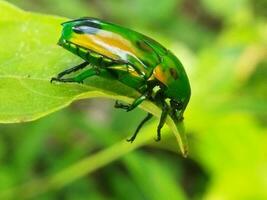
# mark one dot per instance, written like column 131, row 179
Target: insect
column 132, row 58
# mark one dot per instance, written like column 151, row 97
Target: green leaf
column 29, row 60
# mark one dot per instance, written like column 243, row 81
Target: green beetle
column 132, row 58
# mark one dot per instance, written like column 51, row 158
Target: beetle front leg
column 163, row 117
column 148, row 117
column 160, row 99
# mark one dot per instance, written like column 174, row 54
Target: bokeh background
column 223, row 46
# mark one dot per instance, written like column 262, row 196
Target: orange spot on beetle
column 173, row 73
column 160, row 75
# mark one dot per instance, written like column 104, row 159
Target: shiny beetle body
column 132, row 58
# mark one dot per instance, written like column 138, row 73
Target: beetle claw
column 54, row 79
column 157, row 139
column 130, row 139
column 116, row 104
column 120, row 105
column 128, row 109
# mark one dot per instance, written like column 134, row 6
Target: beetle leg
column 73, row 69
column 160, row 99
column 135, row 103
column 163, row 117
column 147, row 94
column 121, row 105
column 148, row 117
column 79, row 78
column 129, row 107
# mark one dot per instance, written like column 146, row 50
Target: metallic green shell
column 122, row 46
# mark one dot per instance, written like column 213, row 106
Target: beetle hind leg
column 147, row 118
column 81, row 77
column 70, row 70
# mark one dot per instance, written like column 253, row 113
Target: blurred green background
column 223, row 46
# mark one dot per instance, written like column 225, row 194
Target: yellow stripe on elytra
column 117, row 41
column 103, row 43
column 125, row 68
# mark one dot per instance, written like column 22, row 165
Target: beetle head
column 177, row 85
column 178, row 103
column 177, row 109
